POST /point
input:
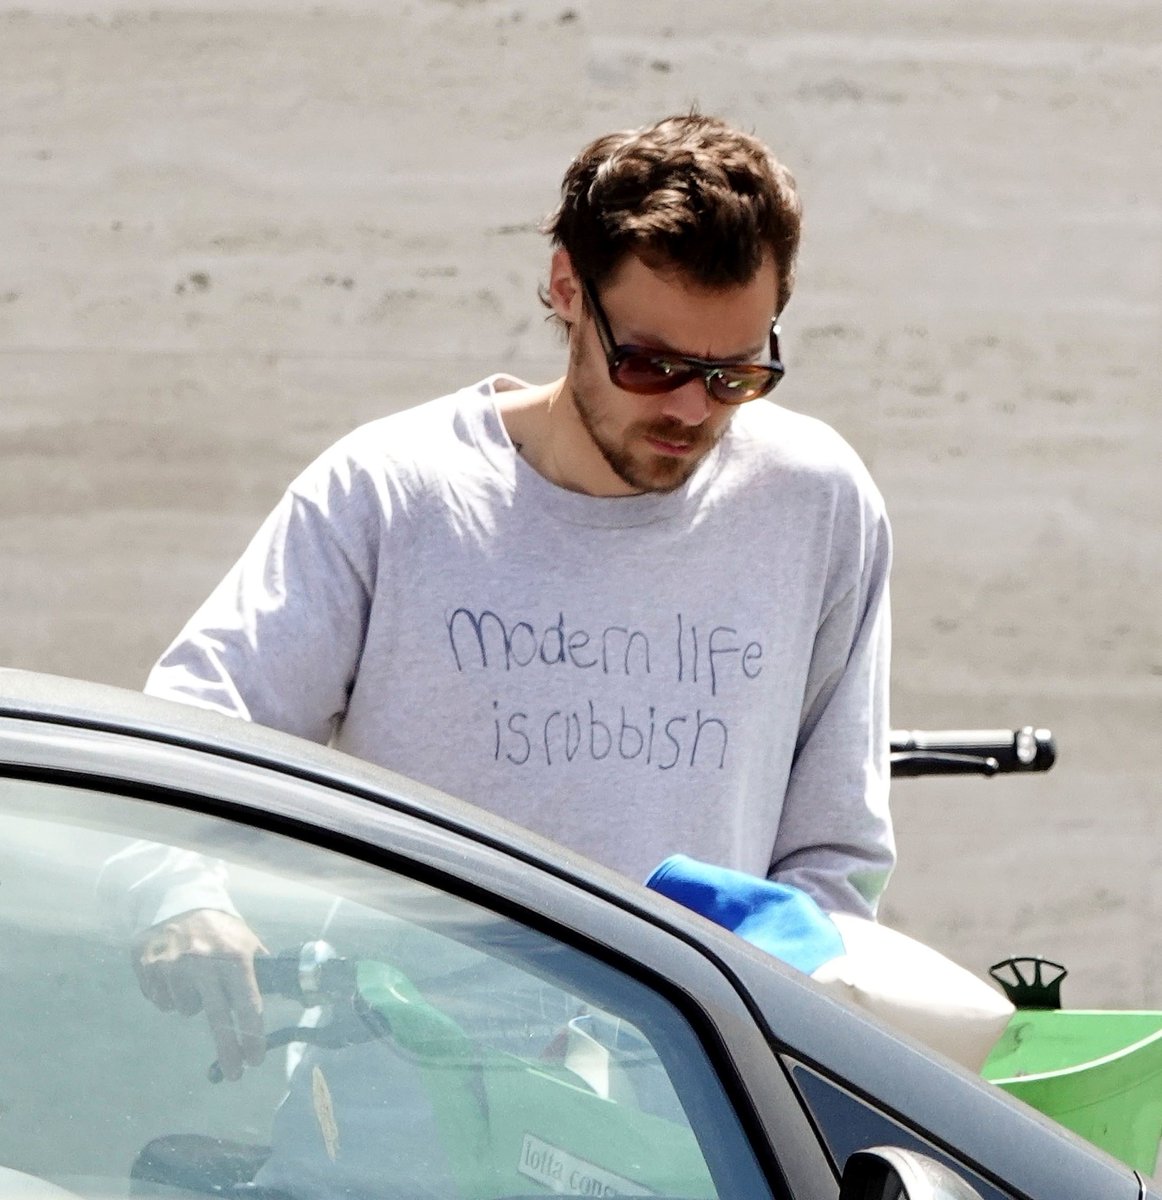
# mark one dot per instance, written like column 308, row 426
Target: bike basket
column 1097, row 1073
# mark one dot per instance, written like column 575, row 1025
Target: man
column 637, row 609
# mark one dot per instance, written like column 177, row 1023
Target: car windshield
column 440, row 1049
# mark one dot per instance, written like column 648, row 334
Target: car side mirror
column 889, row 1173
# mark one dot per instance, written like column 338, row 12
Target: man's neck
column 543, row 425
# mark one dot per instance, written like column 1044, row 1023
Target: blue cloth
column 780, row 919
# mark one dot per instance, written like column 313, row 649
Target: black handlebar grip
column 1025, row 749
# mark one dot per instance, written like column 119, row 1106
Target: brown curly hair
column 689, row 193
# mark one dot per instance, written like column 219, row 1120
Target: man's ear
column 564, row 288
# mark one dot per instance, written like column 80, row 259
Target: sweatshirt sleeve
column 277, row 643
column 279, row 640
column 148, row 883
column 835, row 838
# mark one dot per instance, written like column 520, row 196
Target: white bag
column 916, row 989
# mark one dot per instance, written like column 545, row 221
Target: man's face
column 654, row 443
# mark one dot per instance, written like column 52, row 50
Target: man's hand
column 203, row 961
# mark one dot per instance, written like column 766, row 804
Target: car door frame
column 479, row 869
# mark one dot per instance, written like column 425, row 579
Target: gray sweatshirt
column 701, row 672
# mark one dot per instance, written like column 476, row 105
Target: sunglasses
column 652, row 372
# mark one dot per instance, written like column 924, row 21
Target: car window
column 443, row 1049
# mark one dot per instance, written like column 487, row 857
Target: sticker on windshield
column 561, row 1171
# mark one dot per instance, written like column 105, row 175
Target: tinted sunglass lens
column 736, row 387
column 648, row 376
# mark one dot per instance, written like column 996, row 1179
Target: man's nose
column 691, row 403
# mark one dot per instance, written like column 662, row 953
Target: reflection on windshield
column 417, row 1044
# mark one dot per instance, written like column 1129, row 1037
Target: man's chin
column 660, row 473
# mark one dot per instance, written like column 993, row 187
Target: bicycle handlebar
column 310, row 975
column 316, row 975
column 971, row 751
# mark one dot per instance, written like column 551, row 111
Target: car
column 470, row 1012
